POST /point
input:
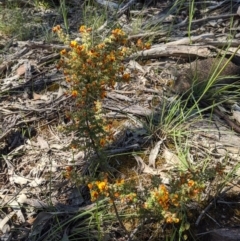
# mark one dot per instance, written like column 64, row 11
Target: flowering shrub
column 158, row 199
column 103, row 189
column 170, row 205
column 91, row 68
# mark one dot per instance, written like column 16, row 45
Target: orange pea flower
column 102, row 186
column 73, row 44
column 102, row 142
column 139, row 43
column 56, row 28
column 74, row 93
column 116, row 194
column 83, row 29
column 191, row 183
column 90, row 186
column 94, row 195
column 126, row 76
column 120, row 181
column 147, row 46
column 63, row 52
column 118, row 32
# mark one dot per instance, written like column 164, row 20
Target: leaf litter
column 33, row 109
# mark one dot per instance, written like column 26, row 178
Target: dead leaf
column 18, row 179
column 31, row 220
column 20, row 216
column 142, row 80
column 143, row 167
column 36, row 203
column 42, row 143
column 23, row 199
column 36, row 182
column 60, row 92
column 136, row 66
column 238, row 11
column 236, row 116
column 21, row 70
column 172, row 160
column 36, row 96
column 56, row 146
column 4, row 227
column 154, row 152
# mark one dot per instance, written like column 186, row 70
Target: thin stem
column 119, row 219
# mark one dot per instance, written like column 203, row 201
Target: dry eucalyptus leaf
column 21, row 198
column 144, row 168
column 36, row 203
column 20, row 216
column 10, row 166
column 60, row 92
column 142, row 80
column 236, row 116
column 36, row 96
column 21, row 70
column 36, row 182
column 18, row 180
column 136, row 66
column 15, row 206
column 172, row 160
column 238, row 11
column 56, row 146
column 154, row 152
column 4, row 227
column 30, row 220
column 42, row 143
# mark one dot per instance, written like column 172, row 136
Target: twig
column 204, row 212
column 120, row 221
column 213, row 220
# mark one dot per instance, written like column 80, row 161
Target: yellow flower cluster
column 105, row 189
column 171, row 217
column 90, row 69
column 161, row 195
column 170, row 205
column 57, row 29
column 128, row 198
column 68, row 172
column 142, row 45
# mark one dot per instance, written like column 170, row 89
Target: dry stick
column 35, row 45
column 213, row 220
column 122, row 10
column 148, row 34
column 119, row 220
column 202, row 20
column 203, row 212
column 229, row 203
column 232, row 124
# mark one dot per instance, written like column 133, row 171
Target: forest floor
column 171, row 167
